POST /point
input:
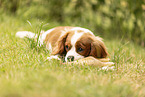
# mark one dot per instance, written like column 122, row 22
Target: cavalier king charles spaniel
column 72, row 43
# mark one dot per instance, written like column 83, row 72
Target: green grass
column 25, row 72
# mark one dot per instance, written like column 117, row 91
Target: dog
column 72, row 43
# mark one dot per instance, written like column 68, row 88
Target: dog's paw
column 53, row 57
column 106, row 68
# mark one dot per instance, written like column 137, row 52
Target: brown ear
column 98, row 49
column 60, row 46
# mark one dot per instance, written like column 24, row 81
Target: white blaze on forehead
column 75, row 38
column 72, row 51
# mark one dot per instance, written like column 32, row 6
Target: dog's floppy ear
column 98, row 49
column 60, row 45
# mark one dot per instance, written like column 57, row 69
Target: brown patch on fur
column 54, row 35
column 85, row 43
column 60, row 46
column 98, row 49
column 92, row 46
column 57, row 38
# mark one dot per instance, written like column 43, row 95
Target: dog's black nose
column 70, row 58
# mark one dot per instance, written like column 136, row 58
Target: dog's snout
column 70, row 58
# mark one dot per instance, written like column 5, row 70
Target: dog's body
column 72, row 42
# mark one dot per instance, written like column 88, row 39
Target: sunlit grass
column 25, row 72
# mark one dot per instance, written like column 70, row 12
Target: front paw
column 53, row 57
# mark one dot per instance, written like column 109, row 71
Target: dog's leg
column 108, row 68
column 53, row 57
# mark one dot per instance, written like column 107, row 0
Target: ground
column 26, row 72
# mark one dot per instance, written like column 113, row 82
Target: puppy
column 72, row 43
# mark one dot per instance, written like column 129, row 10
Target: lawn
column 25, row 72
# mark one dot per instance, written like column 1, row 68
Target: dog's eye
column 80, row 49
column 67, row 47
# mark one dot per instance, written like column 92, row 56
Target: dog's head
column 78, row 44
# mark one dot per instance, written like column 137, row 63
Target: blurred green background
column 111, row 19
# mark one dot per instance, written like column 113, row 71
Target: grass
column 25, row 72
